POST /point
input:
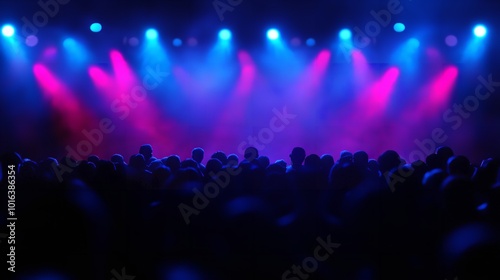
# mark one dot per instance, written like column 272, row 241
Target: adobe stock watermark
column 310, row 264
column 455, row 117
column 222, row 179
column 223, row 6
column 122, row 276
column 363, row 38
column 121, row 106
column 48, row 9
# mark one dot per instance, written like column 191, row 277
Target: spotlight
column 295, row 41
column 69, row 43
column 31, row 41
column 95, row 27
column 132, row 41
column 414, row 43
column 273, row 34
column 177, row 42
column 480, row 30
column 345, row 34
column 399, row 27
column 151, row 34
column 451, row 40
column 310, row 42
column 8, row 30
column 225, row 34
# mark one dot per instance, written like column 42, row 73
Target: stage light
column 8, row 30
column 406, row 55
column 225, row 34
column 151, row 34
column 480, row 30
column 31, row 41
column 413, row 43
column 177, row 42
column 451, row 40
column 133, row 42
column 69, row 43
column 95, row 27
column 345, row 34
column 273, row 34
column 310, row 42
column 75, row 52
column 295, row 41
column 399, row 27
column 475, row 47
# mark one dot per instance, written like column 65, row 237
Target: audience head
column 263, row 161
column 138, row 162
column 444, row 153
column 281, row 163
column 86, row 169
column 147, row 151
column 298, row 156
column 345, row 157
column 232, row 160
column 275, row 168
column 117, row 159
column 221, row 156
column 361, row 159
column 433, row 179
column 160, row 176
column 486, row 162
column 94, row 159
column 213, row 167
column 459, row 165
column 313, row 162
column 155, row 164
column 197, row 154
column 173, row 162
column 189, row 163
column 327, row 162
column 50, row 161
column 432, row 161
column 388, row 160
column 251, row 153
column 373, row 166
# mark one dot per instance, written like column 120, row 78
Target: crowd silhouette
column 249, row 218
